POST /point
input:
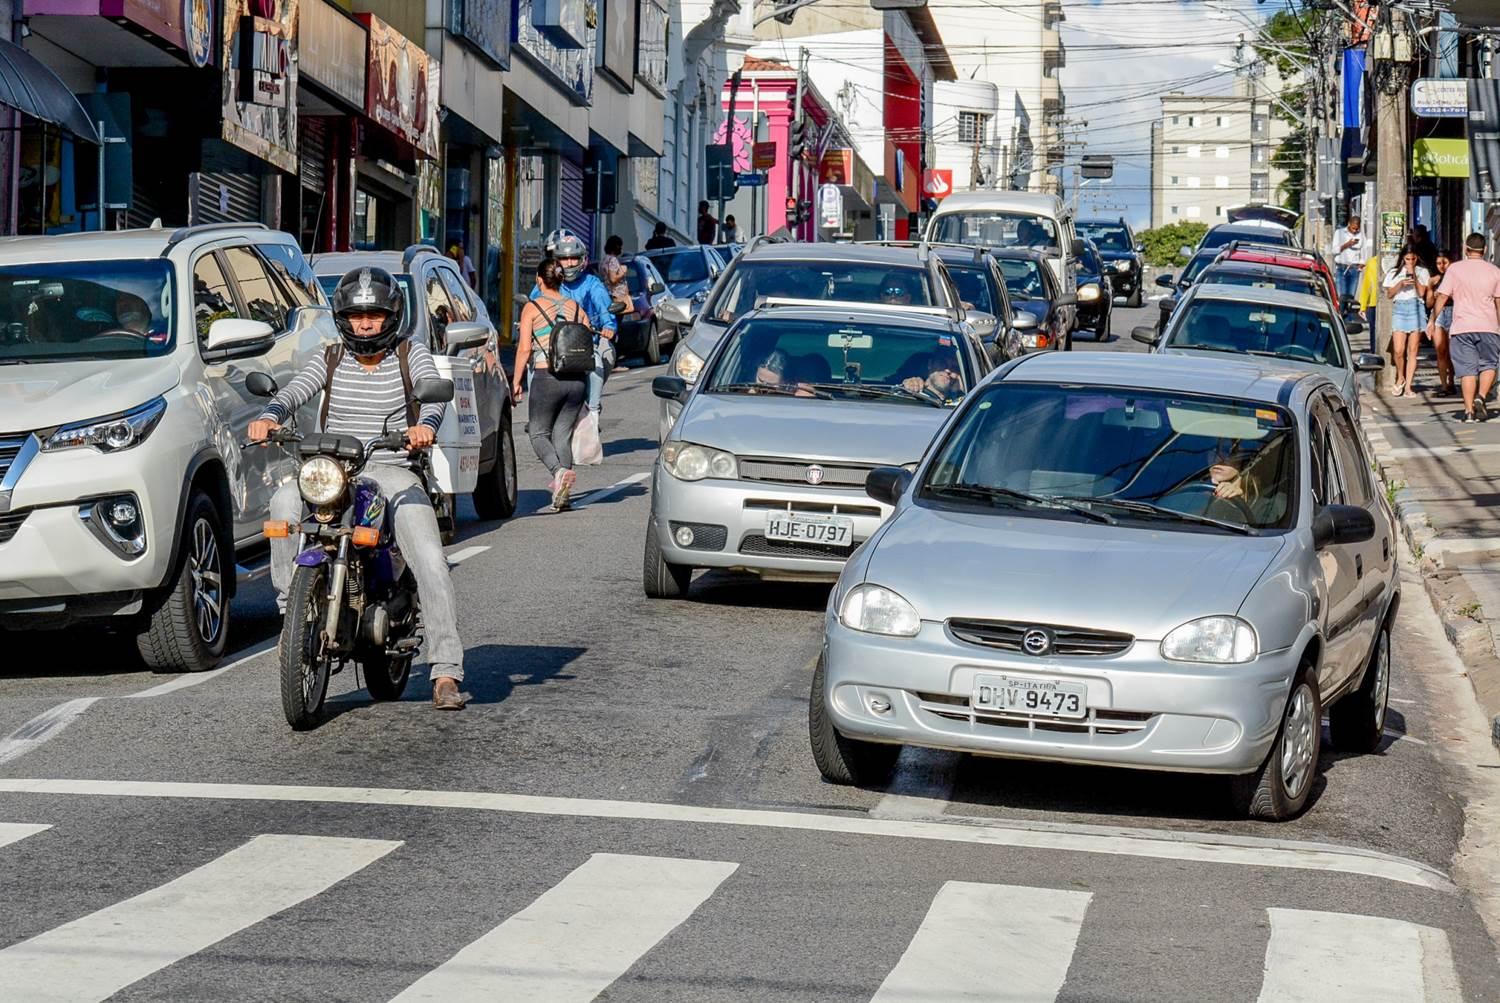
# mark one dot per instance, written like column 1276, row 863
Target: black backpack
column 570, row 348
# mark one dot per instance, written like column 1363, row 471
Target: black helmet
column 369, row 290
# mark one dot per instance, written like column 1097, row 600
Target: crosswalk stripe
column 579, row 936
column 10, row 832
column 97, row 955
column 1331, row 957
column 989, row 942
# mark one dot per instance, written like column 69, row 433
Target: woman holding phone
column 1407, row 285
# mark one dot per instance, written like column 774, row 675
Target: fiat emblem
column 814, row 474
column 1036, row 641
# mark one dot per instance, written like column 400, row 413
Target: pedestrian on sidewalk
column 1473, row 287
column 1438, row 327
column 708, row 227
column 1350, row 249
column 1369, row 298
column 1407, row 286
column 659, row 238
column 555, row 400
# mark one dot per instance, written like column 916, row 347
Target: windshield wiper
column 1158, row 511
column 1230, row 351
column 765, row 388
column 896, row 393
column 996, row 493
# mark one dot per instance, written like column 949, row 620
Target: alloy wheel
column 1382, row 690
column 1299, row 742
column 208, row 582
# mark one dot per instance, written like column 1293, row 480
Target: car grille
column 756, row 544
column 1100, row 721
column 1006, row 635
column 810, row 508
column 843, row 476
column 10, row 523
column 9, row 449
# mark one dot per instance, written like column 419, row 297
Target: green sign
column 1440, row 158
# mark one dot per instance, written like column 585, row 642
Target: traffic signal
column 799, row 139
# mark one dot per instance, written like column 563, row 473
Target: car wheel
column 1279, row 789
column 495, row 494
column 188, row 628
column 1136, row 297
column 844, row 760
column 653, row 346
column 1101, row 328
column 1357, row 722
column 660, row 579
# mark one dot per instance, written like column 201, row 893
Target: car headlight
column 1226, row 639
column 321, row 480
column 875, row 609
column 688, row 364
column 112, row 434
column 688, row 461
column 1122, row 266
column 1088, row 293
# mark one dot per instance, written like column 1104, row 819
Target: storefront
column 331, row 95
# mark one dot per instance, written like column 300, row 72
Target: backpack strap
column 413, row 410
column 332, row 356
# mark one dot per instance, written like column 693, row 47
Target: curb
column 1455, row 602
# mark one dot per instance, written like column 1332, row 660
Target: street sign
column 751, row 180
column 763, row 156
column 1435, row 98
column 1096, row 166
column 830, row 206
column 937, row 183
column 719, row 161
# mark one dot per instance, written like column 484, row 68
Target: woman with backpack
column 550, row 324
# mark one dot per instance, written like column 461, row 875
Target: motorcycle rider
column 366, row 386
column 585, row 287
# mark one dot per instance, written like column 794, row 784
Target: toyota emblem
column 1036, row 641
column 814, row 474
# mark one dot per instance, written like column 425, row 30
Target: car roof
column 1017, row 253
column 865, row 313
column 1101, row 221
column 1267, row 297
column 896, row 257
column 141, row 242
column 1243, row 266
column 1249, row 230
column 339, row 262
column 1002, row 200
column 1219, row 376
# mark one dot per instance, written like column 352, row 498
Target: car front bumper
column 729, row 522
column 1143, row 711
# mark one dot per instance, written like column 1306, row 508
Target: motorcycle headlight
column 875, row 609
column 1122, row 266
column 1224, row 639
column 688, row 364
column 112, row 434
column 689, row 461
column 1088, row 293
column 321, row 481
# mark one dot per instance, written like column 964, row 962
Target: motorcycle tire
column 447, row 518
column 304, row 669
column 386, row 675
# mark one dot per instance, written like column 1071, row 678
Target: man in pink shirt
column 1473, row 285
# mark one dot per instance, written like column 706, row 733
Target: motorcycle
column 352, row 596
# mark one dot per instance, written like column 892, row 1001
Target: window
column 1220, row 181
column 1176, row 150
column 1356, row 473
column 973, row 127
column 1219, row 122
column 1174, row 179
column 1259, row 184
column 1258, row 125
column 1195, row 151
column 1258, row 155
column 1174, row 210
column 1176, row 120
column 1192, row 121
column 458, row 293
column 212, row 298
column 1193, row 212
column 1193, row 182
column 263, row 301
column 1222, row 152
column 291, row 268
column 1218, row 211
column 439, row 310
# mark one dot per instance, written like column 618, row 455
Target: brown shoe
column 445, row 695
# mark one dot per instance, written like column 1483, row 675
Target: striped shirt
column 362, row 398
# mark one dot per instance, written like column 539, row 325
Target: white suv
column 124, row 491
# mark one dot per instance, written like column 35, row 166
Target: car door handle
column 1359, row 565
column 1385, row 548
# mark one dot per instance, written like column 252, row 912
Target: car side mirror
column 1165, row 281
column 656, row 287
column 1066, row 299
column 1185, row 251
column 1354, row 326
column 1368, row 362
column 432, row 391
column 1076, row 247
column 261, row 384
column 675, row 311
column 887, row 484
column 1025, row 320
column 1145, row 334
column 670, row 388
column 1336, row 524
column 1140, row 249
column 465, row 334
column 237, row 338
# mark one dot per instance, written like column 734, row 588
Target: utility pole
column 794, row 176
column 974, row 165
column 734, row 93
column 1391, row 48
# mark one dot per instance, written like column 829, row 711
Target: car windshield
column 973, row 288
column 1195, row 268
column 85, row 310
column 1088, row 261
column 1201, row 463
column 819, row 279
column 685, row 265
column 996, row 228
column 1023, row 278
column 1109, row 236
column 1258, row 329
column 1265, row 280
column 1221, row 235
column 842, row 360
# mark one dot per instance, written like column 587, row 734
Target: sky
column 1122, row 56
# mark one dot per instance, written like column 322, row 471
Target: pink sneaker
column 562, row 489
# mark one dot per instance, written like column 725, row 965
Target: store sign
column 617, row 42
column 198, row 31
column 1440, row 158
column 651, row 54
column 830, row 207
column 763, row 155
column 564, row 23
column 401, row 93
column 485, row 25
column 332, row 50
column 1435, row 98
column 836, row 167
column 259, row 106
column 938, row 183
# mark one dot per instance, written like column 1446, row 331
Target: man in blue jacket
column 590, row 293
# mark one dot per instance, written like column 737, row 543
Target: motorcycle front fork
column 336, row 592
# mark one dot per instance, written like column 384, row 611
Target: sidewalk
column 1444, row 480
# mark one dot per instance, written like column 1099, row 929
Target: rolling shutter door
column 312, row 152
column 224, row 197
column 570, row 190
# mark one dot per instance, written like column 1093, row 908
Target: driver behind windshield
column 772, row 372
column 943, row 381
column 132, row 313
column 1030, row 234
column 896, row 289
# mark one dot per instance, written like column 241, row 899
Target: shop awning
column 32, row 89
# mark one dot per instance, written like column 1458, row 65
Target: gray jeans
column 421, row 545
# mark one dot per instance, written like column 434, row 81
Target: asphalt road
column 628, row 810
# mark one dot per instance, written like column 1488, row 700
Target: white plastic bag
column 588, row 451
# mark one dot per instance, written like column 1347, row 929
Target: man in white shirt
column 1350, row 249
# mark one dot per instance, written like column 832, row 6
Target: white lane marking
column 186, row 680
column 1415, row 452
column 989, row 942
column 1402, row 736
column 1210, row 848
column 1314, row 957
column 922, row 787
column 578, row 937
column 42, row 727
column 459, row 556
column 600, row 494
column 97, row 955
column 11, row 832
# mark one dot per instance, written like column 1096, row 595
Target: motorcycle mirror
column 260, row 384
column 433, row 391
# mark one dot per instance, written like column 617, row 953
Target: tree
column 1164, row 244
column 1287, row 41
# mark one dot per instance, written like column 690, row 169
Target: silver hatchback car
column 1162, row 562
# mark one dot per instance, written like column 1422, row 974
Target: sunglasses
column 894, row 291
